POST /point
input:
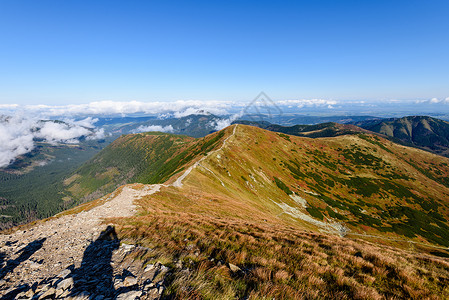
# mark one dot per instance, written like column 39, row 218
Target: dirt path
column 178, row 182
column 65, row 238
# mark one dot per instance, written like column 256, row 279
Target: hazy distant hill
column 287, row 119
column 195, row 125
column 419, row 131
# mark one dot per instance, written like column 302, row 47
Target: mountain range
column 55, row 177
column 247, row 212
column 427, row 133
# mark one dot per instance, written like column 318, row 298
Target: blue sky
column 60, row 52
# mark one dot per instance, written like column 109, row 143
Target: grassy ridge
column 137, row 158
column 371, row 185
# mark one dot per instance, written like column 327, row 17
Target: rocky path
column 71, row 246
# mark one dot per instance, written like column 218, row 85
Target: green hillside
column 366, row 184
column 137, row 158
column 424, row 132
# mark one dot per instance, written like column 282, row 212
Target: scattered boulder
column 130, row 281
column 234, row 268
column 131, row 295
column 48, row 294
column 65, row 284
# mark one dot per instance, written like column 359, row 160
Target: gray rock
column 29, row 293
column 127, row 248
column 164, row 269
column 21, row 295
column 82, row 296
column 48, row 294
column 152, row 294
column 149, row 267
column 131, row 295
column 64, row 294
column 43, row 288
column 64, row 273
column 130, row 281
column 35, row 265
column 65, row 284
column 149, row 286
column 234, row 268
column 118, row 283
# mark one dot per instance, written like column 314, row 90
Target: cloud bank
column 107, row 108
column 19, row 134
column 142, row 128
column 183, row 108
column 434, row 101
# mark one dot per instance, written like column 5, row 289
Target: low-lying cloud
column 16, row 138
column 19, row 134
column 143, row 128
column 107, row 108
column 219, row 124
column 434, row 101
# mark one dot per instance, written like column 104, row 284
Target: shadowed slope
column 423, row 132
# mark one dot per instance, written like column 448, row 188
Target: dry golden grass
column 278, row 261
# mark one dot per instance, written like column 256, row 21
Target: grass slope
column 245, row 205
column 137, row 158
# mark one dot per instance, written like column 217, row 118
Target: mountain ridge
column 236, row 226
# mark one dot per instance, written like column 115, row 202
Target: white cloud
column 219, row 124
column 190, row 111
column 16, row 138
column 55, row 133
column 18, row 134
column 434, row 101
column 131, row 107
column 180, row 108
column 9, row 106
column 142, row 128
column 87, row 122
column 97, row 135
